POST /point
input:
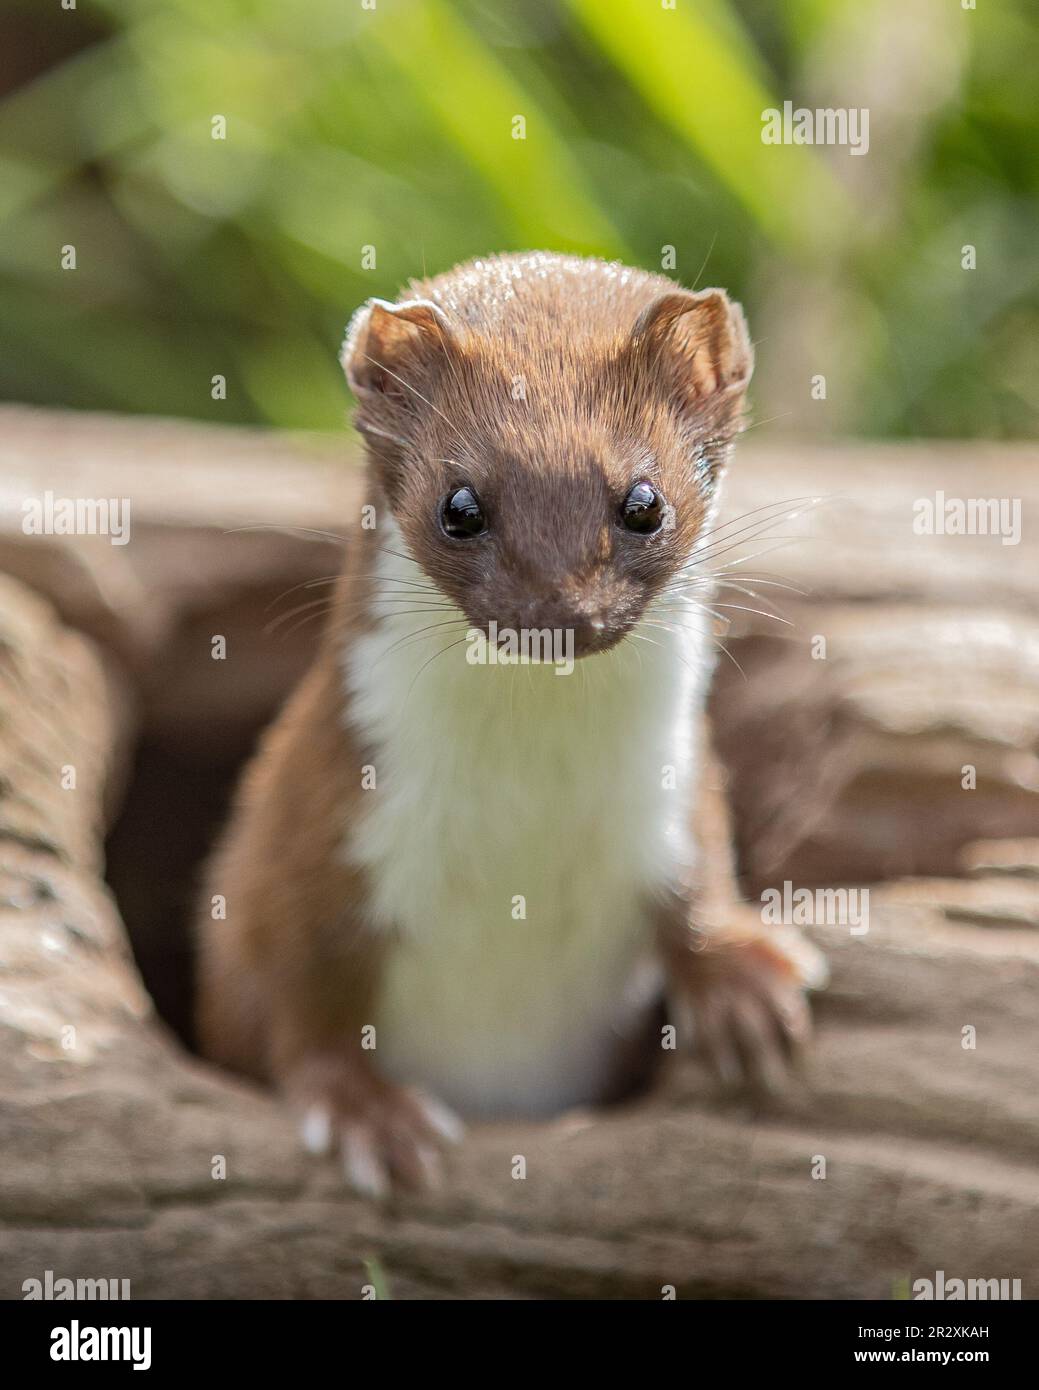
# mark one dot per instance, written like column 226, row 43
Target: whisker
column 287, row 526
column 333, row 578
column 700, row 608
column 750, row 593
column 323, row 602
column 761, row 612
column 304, row 584
column 717, row 577
column 769, row 420
column 743, row 559
column 784, row 541
column 758, row 528
column 723, row 648
column 385, row 614
column 401, row 580
column 442, row 652
column 369, row 428
column 419, row 609
column 302, row 623
column 364, row 605
column 408, row 387
column 758, row 579
column 410, row 638
column 641, row 637
column 398, row 555
column 706, row 258
column 756, row 511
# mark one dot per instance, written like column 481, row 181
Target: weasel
column 462, row 871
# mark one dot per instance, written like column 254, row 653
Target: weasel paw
column 384, row 1135
column 740, row 1002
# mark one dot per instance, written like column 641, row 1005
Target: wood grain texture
column 108, row 1145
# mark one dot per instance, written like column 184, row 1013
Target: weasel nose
column 587, row 615
column 591, row 634
column 562, row 615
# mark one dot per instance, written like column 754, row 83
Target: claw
column 364, row 1170
column 440, row 1118
column 315, row 1130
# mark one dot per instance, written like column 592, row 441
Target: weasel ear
column 703, row 337
column 385, row 342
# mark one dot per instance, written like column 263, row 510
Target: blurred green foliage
column 391, row 127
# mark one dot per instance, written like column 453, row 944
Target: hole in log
column 201, row 721
column 174, row 807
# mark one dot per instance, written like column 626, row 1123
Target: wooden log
column 124, row 1157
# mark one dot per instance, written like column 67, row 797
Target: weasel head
column 550, row 434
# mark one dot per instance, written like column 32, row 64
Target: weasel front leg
column 289, row 976
column 737, row 996
column 383, row 1134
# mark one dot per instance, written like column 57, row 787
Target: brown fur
column 625, row 378
column 292, row 968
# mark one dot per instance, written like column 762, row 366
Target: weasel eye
column 643, row 509
column 462, row 515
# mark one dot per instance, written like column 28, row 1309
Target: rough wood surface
column 917, row 733
column 109, row 1133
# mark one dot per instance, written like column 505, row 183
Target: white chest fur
column 519, row 823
